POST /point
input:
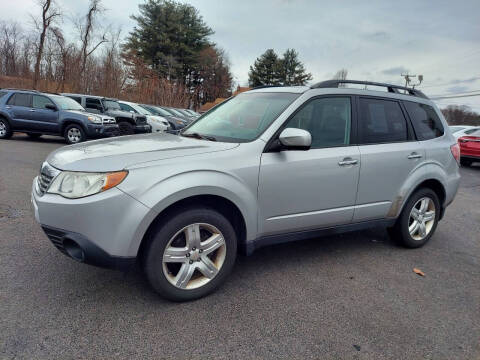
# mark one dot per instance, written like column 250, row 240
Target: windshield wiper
column 199, row 136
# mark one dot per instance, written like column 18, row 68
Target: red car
column 470, row 148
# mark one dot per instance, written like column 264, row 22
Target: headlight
column 75, row 185
column 179, row 122
column 95, row 119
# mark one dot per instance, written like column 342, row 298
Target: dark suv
column 37, row 113
column 127, row 122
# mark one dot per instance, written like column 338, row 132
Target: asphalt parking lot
column 352, row 296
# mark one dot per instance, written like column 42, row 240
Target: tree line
column 461, row 115
column 168, row 58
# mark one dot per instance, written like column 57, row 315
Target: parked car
column 178, row 114
column 186, row 114
column 158, row 123
column 128, row 123
column 193, row 113
column 461, row 130
column 267, row 166
column 470, row 147
column 176, row 123
column 38, row 114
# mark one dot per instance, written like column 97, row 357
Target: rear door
column 45, row 120
column 19, row 107
column 389, row 153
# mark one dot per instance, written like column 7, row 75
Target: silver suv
column 270, row 165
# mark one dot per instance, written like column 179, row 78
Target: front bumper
column 140, row 129
column 103, row 229
column 106, row 130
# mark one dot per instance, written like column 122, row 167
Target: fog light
column 73, row 250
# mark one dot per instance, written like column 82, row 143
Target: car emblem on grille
column 47, row 174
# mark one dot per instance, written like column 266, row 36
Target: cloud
column 398, row 70
column 457, row 89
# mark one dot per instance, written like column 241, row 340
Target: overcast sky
column 374, row 40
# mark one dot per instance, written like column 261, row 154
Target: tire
column 401, row 231
column 5, row 129
column 465, row 162
column 126, row 128
column 33, row 135
column 74, row 134
column 165, row 277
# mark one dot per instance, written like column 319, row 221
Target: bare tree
column 49, row 15
column 87, row 32
column 341, row 75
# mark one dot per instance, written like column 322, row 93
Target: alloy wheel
column 422, row 218
column 3, row 129
column 194, row 256
column 74, row 135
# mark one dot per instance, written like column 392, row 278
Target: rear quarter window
column 425, row 121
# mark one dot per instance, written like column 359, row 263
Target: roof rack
column 265, row 86
column 391, row 88
column 19, row 89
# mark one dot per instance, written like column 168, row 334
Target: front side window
column 426, row 123
column 92, row 103
column 39, row 102
column 242, row 118
column 111, row 105
column 328, row 120
column 381, row 121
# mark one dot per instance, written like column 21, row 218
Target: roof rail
column 265, row 86
column 391, row 88
column 21, row 89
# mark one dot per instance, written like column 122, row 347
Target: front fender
column 170, row 190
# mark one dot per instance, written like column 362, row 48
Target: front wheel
column 191, row 254
column 126, row 128
column 418, row 220
column 74, row 134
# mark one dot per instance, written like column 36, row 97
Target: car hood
column 121, row 152
column 120, row 113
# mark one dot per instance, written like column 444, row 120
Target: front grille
column 47, row 174
column 109, row 121
column 56, row 237
column 141, row 120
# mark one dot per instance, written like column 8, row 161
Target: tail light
column 455, row 149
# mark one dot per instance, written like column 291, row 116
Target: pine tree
column 292, row 70
column 265, row 70
column 269, row 69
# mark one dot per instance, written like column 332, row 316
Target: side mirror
column 50, row 107
column 295, row 139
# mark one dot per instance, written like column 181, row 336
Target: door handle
column 8, row 107
column 32, row 110
column 414, row 155
column 347, row 161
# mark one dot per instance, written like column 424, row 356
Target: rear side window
column 381, row 121
column 21, row 99
column 425, row 120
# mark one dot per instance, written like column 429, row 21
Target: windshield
column 111, row 104
column 65, row 103
column 156, row 110
column 242, row 118
column 140, row 109
column 174, row 112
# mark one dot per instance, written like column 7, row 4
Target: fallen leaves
column 418, row 272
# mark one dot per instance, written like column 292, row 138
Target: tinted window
column 381, row 121
column 425, row 120
column 77, row 99
column 126, row 107
column 328, row 120
column 39, row 102
column 20, row 99
column 93, row 103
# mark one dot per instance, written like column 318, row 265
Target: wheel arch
column 67, row 122
column 219, row 203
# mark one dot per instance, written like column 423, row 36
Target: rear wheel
column 126, row 128
column 465, row 162
column 5, row 129
column 418, row 220
column 191, row 254
column 74, row 134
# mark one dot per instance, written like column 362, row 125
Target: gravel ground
column 351, row 296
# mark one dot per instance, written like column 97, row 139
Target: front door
column 316, row 188
column 46, row 120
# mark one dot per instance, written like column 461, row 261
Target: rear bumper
column 470, row 157
column 80, row 248
column 94, row 130
column 140, row 129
